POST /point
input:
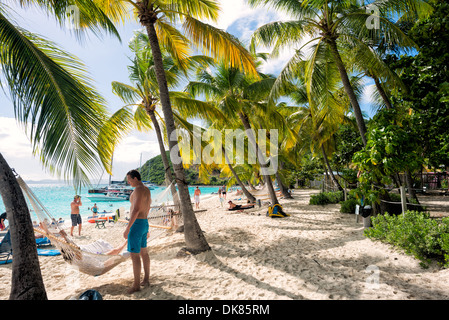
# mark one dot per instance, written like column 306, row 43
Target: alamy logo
column 73, row 17
column 372, row 281
column 236, row 147
column 373, row 21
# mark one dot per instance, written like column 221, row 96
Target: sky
column 106, row 60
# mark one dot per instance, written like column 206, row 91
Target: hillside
column 153, row 171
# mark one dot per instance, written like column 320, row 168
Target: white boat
column 149, row 185
column 110, row 196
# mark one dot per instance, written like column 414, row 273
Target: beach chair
column 6, row 249
column 42, row 242
column 118, row 214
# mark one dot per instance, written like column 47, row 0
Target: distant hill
column 153, row 171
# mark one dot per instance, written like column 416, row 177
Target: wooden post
column 344, row 191
column 403, row 200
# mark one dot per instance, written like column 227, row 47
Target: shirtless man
column 137, row 230
column 75, row 214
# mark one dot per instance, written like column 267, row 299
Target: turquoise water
column 56, row 198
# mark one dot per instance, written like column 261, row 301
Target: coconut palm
column 51, row 92
column 337, row 26
column 143, row 97
column 160, row 19
column 237, row 95
column 322, row 104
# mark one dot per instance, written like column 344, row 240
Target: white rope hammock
column 99, row 257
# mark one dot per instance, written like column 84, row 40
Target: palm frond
column 51, row 91
column 112, row 132
column 219, row 44
column 127, row 93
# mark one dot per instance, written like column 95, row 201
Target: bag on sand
column 276, row 212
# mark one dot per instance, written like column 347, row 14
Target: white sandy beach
column 316, row 253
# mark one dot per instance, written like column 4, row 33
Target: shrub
column 326, row 198
column 319, row 198
column 348, row 206
column 418, row 235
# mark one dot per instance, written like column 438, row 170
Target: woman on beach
column 197, row 194
column 239, row 207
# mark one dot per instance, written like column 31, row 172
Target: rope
column 87, row 262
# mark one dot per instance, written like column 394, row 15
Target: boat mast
column 110, row 176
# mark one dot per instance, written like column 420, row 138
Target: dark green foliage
column 426, row 75
column 416, row 233
column 348, row 206
column 326, row 198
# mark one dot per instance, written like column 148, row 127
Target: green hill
column 153, row 171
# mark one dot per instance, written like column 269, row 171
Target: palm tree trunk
column 349, row 90
column 244, row 118
column 382, row 92
column 248, row 195
column 26, row 282
column 282, row 187
column 168, row 173
column 326, row 161
column 195, row 240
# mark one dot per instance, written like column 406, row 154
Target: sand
column 316, row 253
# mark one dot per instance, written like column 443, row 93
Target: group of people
column 136, row 231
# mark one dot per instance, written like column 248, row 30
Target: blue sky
column 106, row 60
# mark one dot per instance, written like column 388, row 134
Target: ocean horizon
column 57, row 196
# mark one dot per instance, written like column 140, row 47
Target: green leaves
column 416, row 233
column 50, row 91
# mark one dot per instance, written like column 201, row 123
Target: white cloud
column 232, row 10
column 15, row 147
column 244, row 20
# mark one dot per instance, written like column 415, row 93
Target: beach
column 316, row 253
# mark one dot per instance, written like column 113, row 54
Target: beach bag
column 90, row 295
column 276, row 212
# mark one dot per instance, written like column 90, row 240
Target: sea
column 56, row 198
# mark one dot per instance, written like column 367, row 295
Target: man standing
column 137, row 229
column 197, row 194
column 223, row 192
column 75, row 214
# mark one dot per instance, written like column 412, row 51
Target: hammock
column 263, row 193
column 96, row 259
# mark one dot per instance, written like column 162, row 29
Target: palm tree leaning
column 237, row 94
column 337, row 25
column 156, row 14
column 50, row 91
column 143, row 94
column 160, row 18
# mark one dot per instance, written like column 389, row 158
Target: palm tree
column 236, row 94
column 51, row 92
column 143, row 94
column 159, row 19
column 338, row 26
column 229, row 169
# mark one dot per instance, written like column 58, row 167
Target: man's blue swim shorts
column 137, row 236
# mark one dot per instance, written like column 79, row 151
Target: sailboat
column 112, row 192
